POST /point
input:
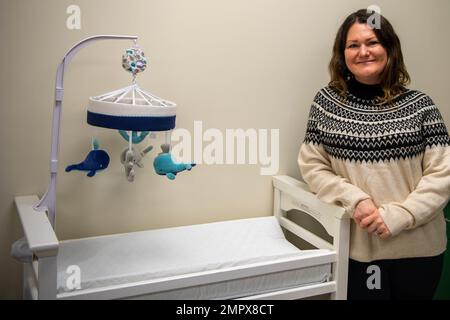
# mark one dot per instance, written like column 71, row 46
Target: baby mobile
column 135, row 113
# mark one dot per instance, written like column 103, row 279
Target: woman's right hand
column 363, row 209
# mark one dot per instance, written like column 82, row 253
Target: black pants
column 399, row 279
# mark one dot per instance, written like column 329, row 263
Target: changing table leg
column 47, row 278
column 340, row 268
column 26, row 288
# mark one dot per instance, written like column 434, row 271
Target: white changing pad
column 131, row 257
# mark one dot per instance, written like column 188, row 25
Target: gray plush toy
column 130, row 158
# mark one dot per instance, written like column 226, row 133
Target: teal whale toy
column 95, row 160
column 165, row 166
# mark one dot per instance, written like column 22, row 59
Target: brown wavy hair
column 394, row 77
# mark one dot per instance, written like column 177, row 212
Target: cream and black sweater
column 397, row 154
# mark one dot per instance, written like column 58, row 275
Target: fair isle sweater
column 397, row 154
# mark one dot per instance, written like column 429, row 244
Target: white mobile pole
column 48, row 201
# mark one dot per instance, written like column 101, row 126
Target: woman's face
column 365, row 57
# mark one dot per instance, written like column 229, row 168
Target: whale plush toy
column 96, row 160
column 165, row 166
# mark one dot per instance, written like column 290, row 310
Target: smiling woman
column 381, row 151
column 364, row 55
column 369, row 55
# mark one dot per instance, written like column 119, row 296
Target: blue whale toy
column 95, row 160
column 165, row 166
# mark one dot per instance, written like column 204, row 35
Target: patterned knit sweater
column 398, row 155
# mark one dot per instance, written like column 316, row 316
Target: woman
column 381, row 151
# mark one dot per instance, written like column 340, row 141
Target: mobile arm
column 48, row 201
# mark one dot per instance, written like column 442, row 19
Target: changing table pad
column 152, row 254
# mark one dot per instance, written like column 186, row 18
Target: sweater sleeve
column 433, row 190
column 315, row 167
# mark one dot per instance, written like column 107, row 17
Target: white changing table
column 239, row 259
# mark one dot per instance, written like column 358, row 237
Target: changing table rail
column 40, row 275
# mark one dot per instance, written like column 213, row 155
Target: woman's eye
column 351, row 46
column 373, row 43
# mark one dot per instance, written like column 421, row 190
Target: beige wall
column 231, row 64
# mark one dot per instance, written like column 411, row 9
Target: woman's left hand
column 375, row 225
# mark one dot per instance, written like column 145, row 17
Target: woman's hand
column 363, row 209
column 368, row 217
column 374, row 224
